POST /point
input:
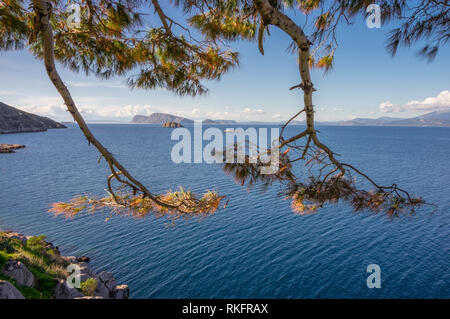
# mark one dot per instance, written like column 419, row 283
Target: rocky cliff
column 13, row 120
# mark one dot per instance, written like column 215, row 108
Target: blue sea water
column 256, row 247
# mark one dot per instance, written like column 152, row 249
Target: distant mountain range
column 161, row 118
column 13, row 120
column 438, row 118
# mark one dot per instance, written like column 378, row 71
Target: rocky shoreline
column 19, row 278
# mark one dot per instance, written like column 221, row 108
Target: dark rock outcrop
column 19, row 272
column 13, row 120
column 172, row 124
column 8, row 291
column 83, row 259
column 121, row 292
column 62, row 291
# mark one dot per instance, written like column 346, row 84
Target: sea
column 254, row 248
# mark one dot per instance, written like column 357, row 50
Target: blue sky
column 365, row 82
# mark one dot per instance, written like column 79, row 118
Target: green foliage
column 229, row 27
column 43, row 281
column 37, row 244
column 5, row 244
column 113, row 38
column 4, row 257
column 46, row 267
column 88, row 287
column 326, row 62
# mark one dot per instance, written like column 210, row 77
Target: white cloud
column 338, row 109
column 83, row 84
column 437, row 103
column 92, row 108
column 252, row 111
column 386, row 107
column 218, row 115
column 242, row 114
column 106, row 108
column 8, row 92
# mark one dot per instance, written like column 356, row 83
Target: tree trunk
column 272, row 16
column 42, row 13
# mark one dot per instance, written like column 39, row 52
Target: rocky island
column 161, row 118
column 9, row 148
column 13, row 120
column 172, row 124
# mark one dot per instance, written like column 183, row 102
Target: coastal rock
column 8, row 291
column 55, row 249
column 19, row 272
column 121, row 292
column 62, row 291
column 105, row 276
column 14, row 235
column 71, row 259
column 106, row 284
column 83, row 259
column 9, row 148
column 172, row 124
column 85, row 272
column 107, row 287
column 102, row 291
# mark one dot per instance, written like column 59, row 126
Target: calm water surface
column 256, row 247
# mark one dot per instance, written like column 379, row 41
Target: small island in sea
column 172, row 124
column 9, row 148
column 161, row 118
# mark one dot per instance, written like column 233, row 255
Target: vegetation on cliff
column 32, row 268
column 41, row 259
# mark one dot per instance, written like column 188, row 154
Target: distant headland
column 161, row 118
column 432, row 119
column 13, row 120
